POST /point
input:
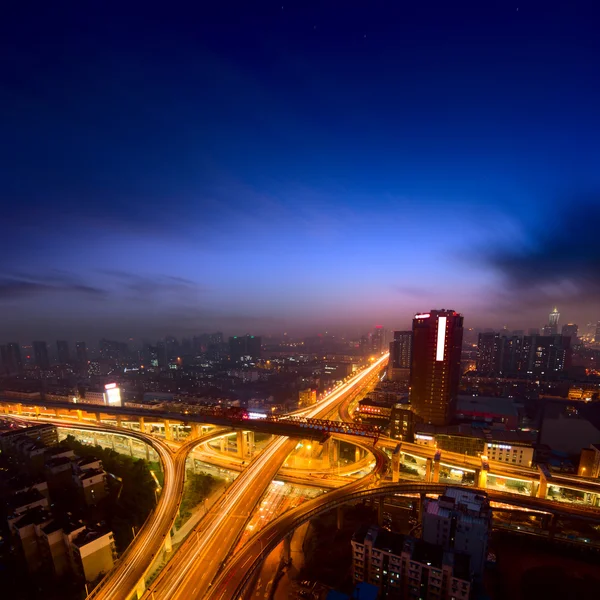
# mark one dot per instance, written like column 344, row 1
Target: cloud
column 559, row 258
column 150, row 285
column 12, row 287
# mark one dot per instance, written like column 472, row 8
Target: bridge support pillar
column 130, row 444
column 194, row 431
column 168, row 432
column 223, row 442
column 98, row 418
column 436, row 471
column 340, row 517
column 326, row 454
column 240, row 441
column 119, row 421
column 287, row 547
column 542, row 488
column 357, row 454
column 37, row 411
column 250, row 447
column 148, row 452
column 140, row 588
column 335, row 451
column 19, row 409
column 168, row 542
column 95, row 438
column 428, row 467
column 481, row 478
column 79, row 414
column 396, row 459
column 142, row 424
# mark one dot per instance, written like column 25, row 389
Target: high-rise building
column 244, row 345
column 161, row 355
column 15, row 363
column 570, row 330
column 460, row 521
column 82, row 356
column 4, row 359
column 62, row 348
column 553, row 317
column 40, row 355
column 489, row 353
column 378, row 340
column 597, row 336
column 435, row 365
column 400, row 356
column 513, row 362
column 546, row 356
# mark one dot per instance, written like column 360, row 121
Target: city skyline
column 297, row 169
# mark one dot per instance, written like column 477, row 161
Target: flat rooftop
column 486, row 405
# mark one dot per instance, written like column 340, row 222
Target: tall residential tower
column 435, row 365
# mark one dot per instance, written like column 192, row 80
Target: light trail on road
column 196, row 563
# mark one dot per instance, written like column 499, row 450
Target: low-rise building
column 90, row 484
column 23, row 530
column 402, row 423
column 24, row 501
column 405, row 567
column 513, row 447
column 54, row 541
column 44, row 433
column 93, row 553
column 589, row 461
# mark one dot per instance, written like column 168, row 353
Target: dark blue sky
column 271, row 166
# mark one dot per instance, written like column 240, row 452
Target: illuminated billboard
column 112, row 394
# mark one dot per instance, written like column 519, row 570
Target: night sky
column 296, row 166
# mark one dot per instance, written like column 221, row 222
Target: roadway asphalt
column 196, row 563
column 241, row 567
column 243, row 564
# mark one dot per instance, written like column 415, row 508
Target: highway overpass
column 240, row 570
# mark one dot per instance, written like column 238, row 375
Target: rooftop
column 88, row 535
column 24, row 498
column 88, row 473
column 486, row 405
column 35, row 516
column 57, row 462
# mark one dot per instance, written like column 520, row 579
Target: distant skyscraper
column 435, row 366
column 40, row 355
column 570, row 330
column 13, row 352
column 546, row 356
column 400, row 356
column 161, row 355
column 244, row 345
column 378, row 339
column 552, row 327
column 513, row 361
column 62, row 348
column 597, row 337
column 82, row 356
column 489, row 353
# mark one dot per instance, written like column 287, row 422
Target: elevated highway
column 242, row 567
column 199, row 559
